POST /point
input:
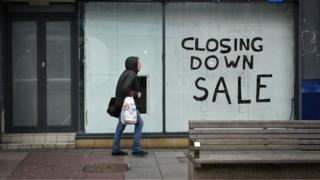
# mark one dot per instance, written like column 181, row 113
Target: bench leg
column 196, row 154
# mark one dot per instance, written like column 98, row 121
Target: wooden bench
column 254, row 149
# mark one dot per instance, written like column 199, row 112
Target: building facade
column 202, row 60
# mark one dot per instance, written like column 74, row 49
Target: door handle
column 43, row 64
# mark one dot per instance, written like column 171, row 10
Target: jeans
column 136, row 135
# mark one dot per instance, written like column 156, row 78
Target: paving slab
column 146, row 161
column 12, row 155
column 143, row 173
column 63, row 165
column 171, row 166
column 169, row 154
column 68, row 164
column 142, row 167
column 174, row 171
column 5, row 172
column 9, row 161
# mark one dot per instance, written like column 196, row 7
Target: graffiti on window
column 223, row 47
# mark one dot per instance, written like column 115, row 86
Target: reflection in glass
column 58, row 51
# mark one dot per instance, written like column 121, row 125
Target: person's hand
column 139, row 94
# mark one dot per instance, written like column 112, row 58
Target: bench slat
column 259, row 158
column 256, row 141
column 255, row 136
column 253, row 124
column 256, row 147
column 254, row 131
column 273, row 138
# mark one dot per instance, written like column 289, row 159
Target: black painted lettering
column 234, row 64
column 192, row 64
column 197, row 48
column 213, row 59
column 224, row 90
column 205, row 96
column 183, row 43
column 254, row 46
column 249, row 63
column 214, row 45
column 240, row 100
column 244, row 45
column 226, row 47
column 259, row 86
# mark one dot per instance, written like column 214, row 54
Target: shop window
column 197, row 69
column 113, row 32
column 142, row 102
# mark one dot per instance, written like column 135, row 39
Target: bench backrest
column 254, row 135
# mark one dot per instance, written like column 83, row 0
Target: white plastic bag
column 128, row 111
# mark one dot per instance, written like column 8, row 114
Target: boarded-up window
column 114, row 31
column 228, row 61
column 225, row 61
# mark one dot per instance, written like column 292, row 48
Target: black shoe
column 140, row 153
column 120, row 153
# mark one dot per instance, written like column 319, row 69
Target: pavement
column 92, row 164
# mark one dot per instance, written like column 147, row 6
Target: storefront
column 40, row 90
column 201, row 61
column 40, row 75
column 224, row 60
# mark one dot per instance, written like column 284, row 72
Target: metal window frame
column 2, row 55
column 157, row 1
column 81, row 36
column 41, row 18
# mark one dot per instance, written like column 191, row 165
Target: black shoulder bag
column 112, row 109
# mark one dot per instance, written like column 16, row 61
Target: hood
column 131, row 63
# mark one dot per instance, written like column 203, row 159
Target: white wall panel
column 114, row 31
column 271, row 22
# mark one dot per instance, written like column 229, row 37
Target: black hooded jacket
column 127, row 84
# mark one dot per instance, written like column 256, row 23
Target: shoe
column 140, row 153
column 120, row 153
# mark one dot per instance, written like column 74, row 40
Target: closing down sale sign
column 229, row 61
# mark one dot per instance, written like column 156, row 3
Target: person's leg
column 137, row 134
column 117, row 137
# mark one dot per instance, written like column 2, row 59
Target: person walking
column 128, row 86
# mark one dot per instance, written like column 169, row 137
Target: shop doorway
column 40, row 74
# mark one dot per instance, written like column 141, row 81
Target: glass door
column 24, row 54
column 41, row 75
column 58, row 73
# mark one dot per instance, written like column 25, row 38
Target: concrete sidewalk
column 92, row 164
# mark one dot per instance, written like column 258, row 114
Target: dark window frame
column 41, row 18
column 142, row 103
column 295, row 101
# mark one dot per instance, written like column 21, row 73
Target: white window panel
column 274, row 23
column 114, row 31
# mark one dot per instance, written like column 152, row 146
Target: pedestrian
column 128, row 86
